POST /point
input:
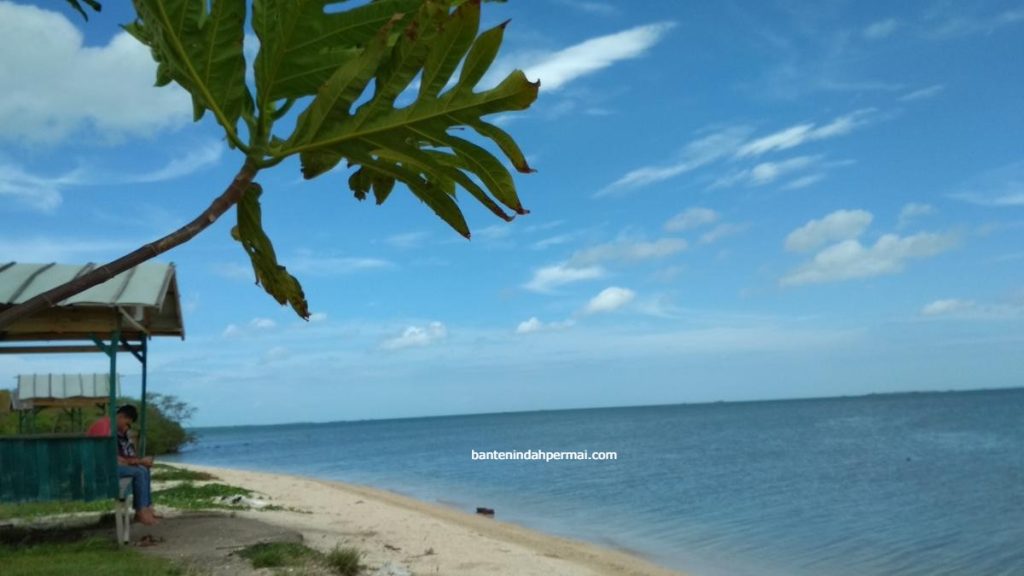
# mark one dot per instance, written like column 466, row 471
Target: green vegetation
column 190, row 496
column 166, row 416
column 40, row 509
column 279, row 554
column 84, row 558
column 341, row 561
column 165, row 473
column 345, row 561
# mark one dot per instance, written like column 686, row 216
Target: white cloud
column 609, row 300
column 557, row 69
column 406, row 240
column 946, row 306
column 590, row 7
column 802, row 133
column 196, row 159
column 56, row 86
column 923, row 93
column 721, row 232
column 61, row 249
column 35, row 192
column 629, row 251
column 1002, row 187
column 548, row 278
column 839, row 225
column 850, row 259
column 913, row 210
column 700, row 152
column 734, row 142
column 767, row 172
column 804, row 181
column 317, row 317
column 313, row 264
column 534, row 325
column 691, row 218
column 46, row 193
column 275, row 354
column 417, row 336
column 230, row 331
column 262, row 323
column 881, row 29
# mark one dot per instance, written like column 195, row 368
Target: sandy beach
column 404, row 536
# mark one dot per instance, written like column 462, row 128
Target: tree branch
column 217, row 208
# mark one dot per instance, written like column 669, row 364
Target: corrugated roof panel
column 39, row 386
column 146, row 286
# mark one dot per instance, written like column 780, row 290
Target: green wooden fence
column 57, row 468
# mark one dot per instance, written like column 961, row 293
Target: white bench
column 123, row 511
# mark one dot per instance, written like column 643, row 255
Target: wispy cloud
column 735, row 144
column 324, row 265
column 407, row 240
column 946, row 306
column 881, row 29
column 998, row 188
column 722, row 231
column 691, row 218
column 799, row 134
column 590, row 7
column 41, row 193
column 914, row 210
column 194, row 160
column 61, row 248
column 548, row 278
column 698, row 153
column 923, row 93
column 958, row 20
column 556, row 70
column 46, row 193
column 628, row 250
column 766, row 172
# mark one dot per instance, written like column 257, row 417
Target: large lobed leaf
column 274, row 278
column 415, row 144
column 198, row 44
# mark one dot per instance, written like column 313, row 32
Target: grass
column 279, row 554
column 345, row 561
column 341, row 561
column 189, row 496
column 83, row 558
column 40, row 509
column 165, row 473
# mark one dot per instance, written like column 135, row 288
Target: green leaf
column 77, row 5
column 198, row 44
column 301, row 45
column 414, row 144
column 274, row 278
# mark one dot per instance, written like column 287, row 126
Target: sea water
column 923, row 483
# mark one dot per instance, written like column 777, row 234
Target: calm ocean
column 928, row 484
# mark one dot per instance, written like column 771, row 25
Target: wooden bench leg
column 123, row 512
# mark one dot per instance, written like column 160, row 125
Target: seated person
column 128, row 464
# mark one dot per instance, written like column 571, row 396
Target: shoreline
column 403, row 535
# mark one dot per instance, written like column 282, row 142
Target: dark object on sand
column 489, row 512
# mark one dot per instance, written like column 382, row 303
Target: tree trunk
column 101, row 274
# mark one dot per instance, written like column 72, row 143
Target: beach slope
column 405, row 536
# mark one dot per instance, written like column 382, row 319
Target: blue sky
column 734, row 200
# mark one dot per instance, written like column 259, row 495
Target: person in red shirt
column 129, row 465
